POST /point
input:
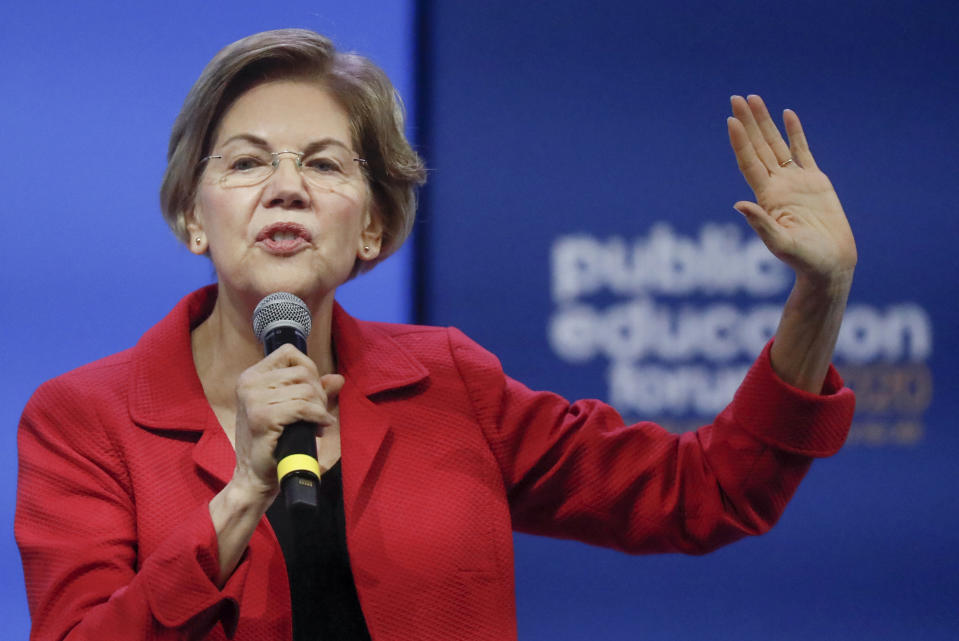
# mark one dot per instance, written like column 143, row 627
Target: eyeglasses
column 328, row 167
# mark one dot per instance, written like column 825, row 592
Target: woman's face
column 299, row 231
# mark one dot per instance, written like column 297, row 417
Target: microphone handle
column 297, row 466
column 295, row 452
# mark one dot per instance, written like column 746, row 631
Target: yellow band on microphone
column 296, row 463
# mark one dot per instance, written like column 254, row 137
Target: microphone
column 278, row 319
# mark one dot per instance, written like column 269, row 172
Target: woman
column 288, row 168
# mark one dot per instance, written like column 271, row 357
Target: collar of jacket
column 166, row 393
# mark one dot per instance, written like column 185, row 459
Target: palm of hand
column 797, row 213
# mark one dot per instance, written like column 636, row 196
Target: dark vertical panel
column 424, row 71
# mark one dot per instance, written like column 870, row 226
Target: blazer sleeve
column 574, row 470
column 76, row 528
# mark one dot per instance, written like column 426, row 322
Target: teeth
column 281, row 236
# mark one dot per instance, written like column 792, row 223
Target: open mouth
column 283, row 237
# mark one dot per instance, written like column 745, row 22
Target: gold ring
column 785, row 162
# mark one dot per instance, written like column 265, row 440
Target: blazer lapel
column 214, row 453
column 372, row 363
column 166, row 393
column 363, row 431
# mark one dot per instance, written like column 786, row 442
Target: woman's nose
column 285, row 188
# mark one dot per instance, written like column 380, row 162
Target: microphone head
column 281, row 309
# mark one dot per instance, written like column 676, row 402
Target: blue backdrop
column 582, row 228
column 579, row 161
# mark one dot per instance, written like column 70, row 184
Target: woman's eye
column 323, row 165
column 245, row 163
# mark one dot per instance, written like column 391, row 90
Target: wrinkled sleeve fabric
column 574, row 470
column 76, row 528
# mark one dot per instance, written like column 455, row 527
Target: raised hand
column 799, row 217
column 797, row 213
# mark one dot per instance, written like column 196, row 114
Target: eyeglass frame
column 362, row 162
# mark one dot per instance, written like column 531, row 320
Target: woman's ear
column 371, row 238
column 196, row 237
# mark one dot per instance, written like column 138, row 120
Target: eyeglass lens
column 246, row 166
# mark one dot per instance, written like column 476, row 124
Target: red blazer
column 442, row 456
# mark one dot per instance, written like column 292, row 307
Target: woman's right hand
column 281, row 389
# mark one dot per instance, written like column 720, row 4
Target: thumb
column 332, row 384
column 761, row 222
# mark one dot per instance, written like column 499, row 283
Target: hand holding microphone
column 281, row 401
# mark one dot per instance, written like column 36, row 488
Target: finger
column 752, row 212
column 287, row 355
column 797, row 140
column 744, row 114
column 769, row 130
column 311, row 412
column 332, row 384
column 289, row 376
column 300, row 406
column 275, row 384
column 761, row 222
column 752, row 168
column 300, row 392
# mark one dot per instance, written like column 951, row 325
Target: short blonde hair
column 374, row 108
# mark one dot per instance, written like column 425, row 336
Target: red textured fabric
column 442, row 455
